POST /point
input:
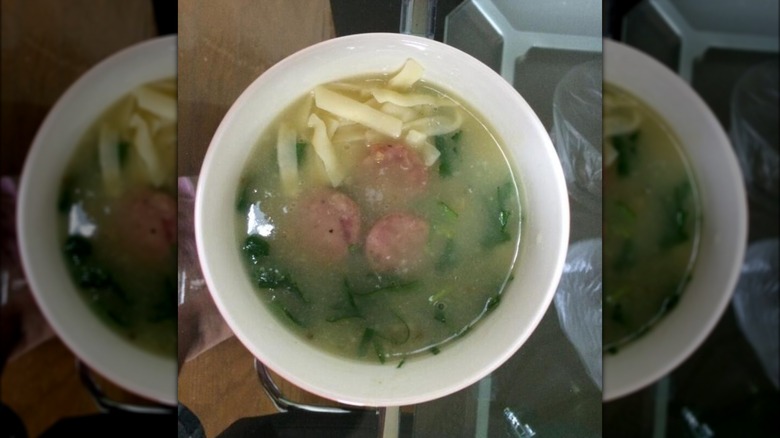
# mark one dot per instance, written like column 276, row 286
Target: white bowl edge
column 361, row 383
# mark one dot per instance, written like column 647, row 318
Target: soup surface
column 651, row 219
column 378, row 217
column 118, row 216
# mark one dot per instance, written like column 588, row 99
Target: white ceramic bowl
column 544, row 230
column 724, row 222
column 77, row 325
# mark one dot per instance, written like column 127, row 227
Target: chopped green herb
column 623, row 219
column 438, row 312
column 380, row 352
column 350, row 295
column 434, row 350
column 625, row 145
column 243, row 202
column 627, row 257
column 447, row 145
column 292, row 318
column 77, row 248
column 401, row 363
column 499, row 211
column 677, row 216
column 300, row 151
column 503, row 219
column 386, row 284
column 123, row 148
column 347, row 308
column 447, row 258
column 504, row 195
column 670, row 303
column 625, row 211
column 615, row 296
column 343, row 316
column 65, row 200
column 286, row 312
column 447, row 210
column 439, row 295
column 365, row 342
column 492, row 303
column 92, row 277
column 617, row 314
column 272, row 278
column 255, row 248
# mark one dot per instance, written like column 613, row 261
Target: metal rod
column 283, row 404
column 107, row 404
column 418, row 17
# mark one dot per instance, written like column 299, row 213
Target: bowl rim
column 82, row 331
column 204, row 216
column 724, row 236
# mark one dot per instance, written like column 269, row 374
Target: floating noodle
column 350, row 109
column 436, row 125
column 143, row 143
column 410, row 73
column 108, row 151
column 287, row 158
column 324, row 148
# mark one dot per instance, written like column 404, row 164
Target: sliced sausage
column 141, row 224
column 328, row 223
column 396, row 244
column 389, row 177
column 137, row 236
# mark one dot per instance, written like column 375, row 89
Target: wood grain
column 223, row 47
column 42, row 386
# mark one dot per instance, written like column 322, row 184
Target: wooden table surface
column 223, row 47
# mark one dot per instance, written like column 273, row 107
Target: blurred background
column 46, row 46
column 728, row 53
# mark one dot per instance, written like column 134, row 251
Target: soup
column 118, row 216
column 378, row 217
column 651, row 219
